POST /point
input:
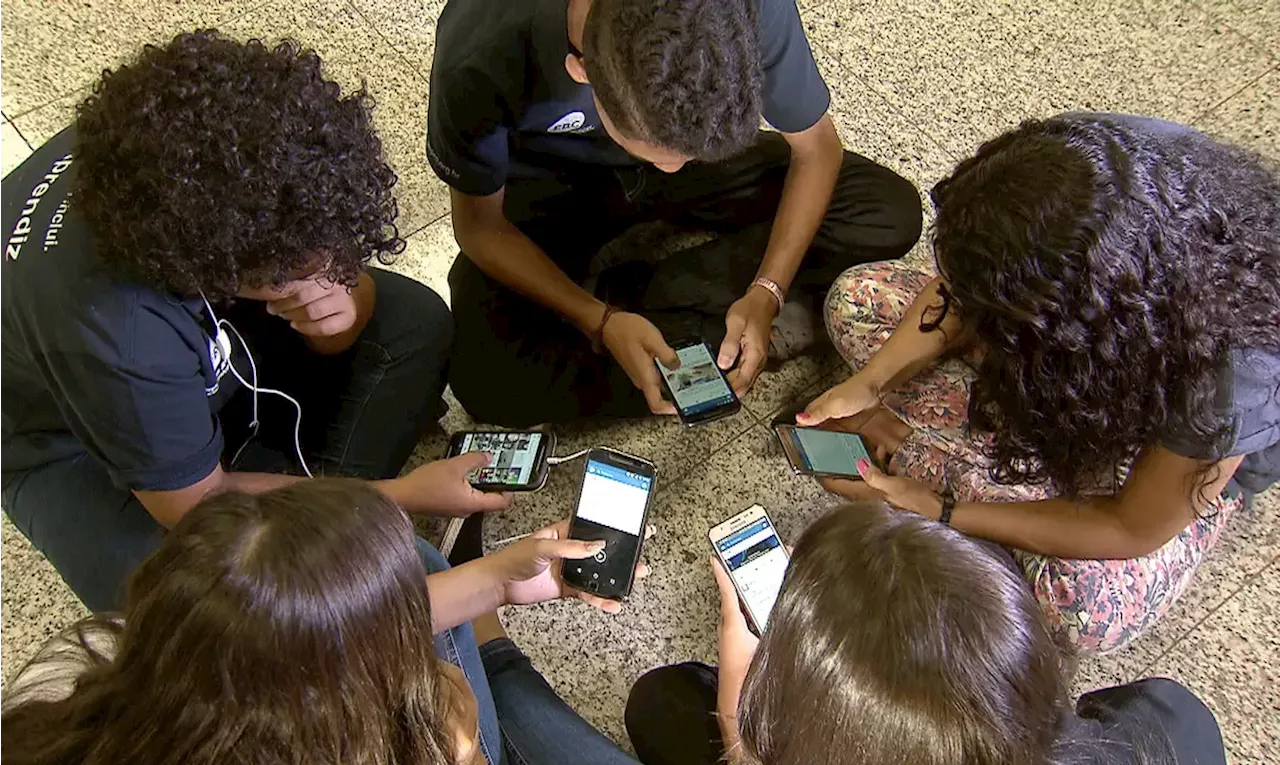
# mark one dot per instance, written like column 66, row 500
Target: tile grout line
column 882, row 98
column 1248, row 582
column 25, row 142
column 1273, row 55
column 1270, row 71
column 220, row 23
column 399, row 53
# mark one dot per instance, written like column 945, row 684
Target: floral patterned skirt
column 1094, row 606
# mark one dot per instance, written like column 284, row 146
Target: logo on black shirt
column 569, row 123
column 22, row 229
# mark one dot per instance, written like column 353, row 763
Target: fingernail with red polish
column 863, row 467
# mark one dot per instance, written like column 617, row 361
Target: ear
column 573, row 65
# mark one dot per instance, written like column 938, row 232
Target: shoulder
column 52, row 673
column 1253, row 378
column 1151, row 720
column 482, row 42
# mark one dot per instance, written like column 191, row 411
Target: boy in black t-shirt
column 201, row 232
column 559, row 124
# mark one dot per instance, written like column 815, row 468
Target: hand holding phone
column 613, row 506
column 698, row 386
column 634, row 343
column 822, row 453
column 519, row 458
column 531, row 568
column 754, row 560
column 442, row 488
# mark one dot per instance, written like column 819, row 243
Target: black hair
column 210, row 165
column 681, row 74
column 1108, row 272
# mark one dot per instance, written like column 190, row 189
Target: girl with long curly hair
column 1093, row 376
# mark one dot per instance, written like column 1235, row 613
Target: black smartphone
column 698, row 388
column 751, row 552
column 519, row 458
column 825, row 453
column 613, row 505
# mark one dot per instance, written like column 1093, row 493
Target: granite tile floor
column 916, row 84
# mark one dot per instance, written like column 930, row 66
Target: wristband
column 597, row 337
column 948, row 505
column 773, row 289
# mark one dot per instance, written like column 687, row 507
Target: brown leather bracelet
column 597, row 337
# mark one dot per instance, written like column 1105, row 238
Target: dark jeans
column 671, row 720
column 363, row 412
column 516, row 705
column 507, row 342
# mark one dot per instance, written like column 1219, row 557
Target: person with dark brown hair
column 189, row 307
column 899, row 641
column 1091, row 376
column 561, row 124
column 295, row 626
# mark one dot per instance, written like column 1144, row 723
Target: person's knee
column 659, row 690
column 893, row 200
column 410, row 317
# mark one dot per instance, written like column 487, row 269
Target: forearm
column 908, row 349
column 365, row 296
column 806, row 194
column 1092, row 528
column 169, row 507
column 463, row 593
column 504, row 253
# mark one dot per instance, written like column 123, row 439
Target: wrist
column 767, row 293
column 588, row 317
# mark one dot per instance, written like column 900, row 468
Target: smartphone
column 613, row 505
column 698, row 388
column 826, row 453
column 751, row 551
column 519, row 458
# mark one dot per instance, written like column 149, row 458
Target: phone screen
column 515, row 457
column 698, row 385
column 826, row 451
column 611, row 507
column 756, row 561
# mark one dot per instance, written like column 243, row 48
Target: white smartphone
column 749, row 548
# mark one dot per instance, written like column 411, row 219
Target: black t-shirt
column 502, row 104
column 93, row 362
column 1155, row 720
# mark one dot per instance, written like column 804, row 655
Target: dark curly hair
column 680, row 74
column 210, row 165
column 1108, row 271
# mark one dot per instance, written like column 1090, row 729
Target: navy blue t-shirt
column 501, row 100
column 93, row 362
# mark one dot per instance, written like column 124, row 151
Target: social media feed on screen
column 697, row 386
column 515, row 457
column 828, row 452
column 757, row 563
column 611, row 507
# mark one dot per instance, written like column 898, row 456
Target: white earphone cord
column 253, row 368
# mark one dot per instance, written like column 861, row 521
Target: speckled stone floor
column 916, row 84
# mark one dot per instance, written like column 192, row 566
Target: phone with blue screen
column 698, row 387
column 751, row 552
column 613, row 505
column 822, row 453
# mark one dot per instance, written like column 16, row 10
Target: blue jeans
column 520, row 714
column 363, row 412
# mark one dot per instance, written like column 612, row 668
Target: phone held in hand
column 822, row 453
column 613, row 505
column 698, row 388
column 519, row 458
column 749, row 548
